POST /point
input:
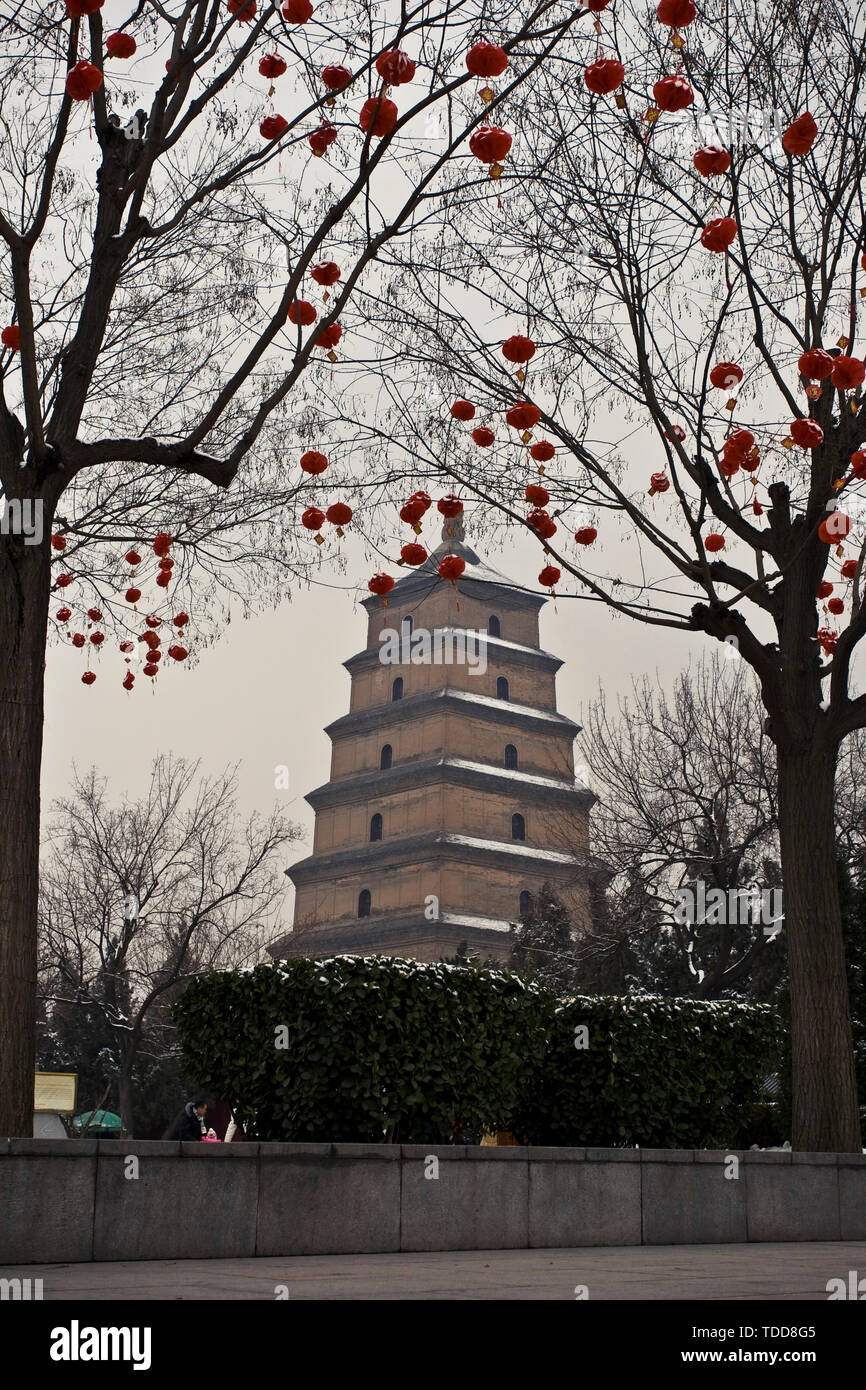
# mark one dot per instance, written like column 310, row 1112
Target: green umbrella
column 104, row 1124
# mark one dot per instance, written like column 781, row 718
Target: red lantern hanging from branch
column 463, row 410
column 11, row 337
column 849, row 570
column 451, row 567
column 848, row 373
column 858, row 463
column 303, row 312
column 549, row 576
column 132, row 595
column 486, row 59
column 88, row 678
column 80, row 9
column 714, row 542
column 816, row 364
column 312, row 518
column 162, row 543
column 321, row 139
column 63, row 581
column 422, row 497
column 834, row 528
column 272, row 66
column 490, row 144
column 82, row 81
column 659, row 482
column 339, row 514
column 78, row 639
column 604, row 76
column 585, row 535
column 677, row 14
column 801, row 134
column 719, row 234
column 329, row 337
column 63, row 614
column 806, row 432
column 836, row 605
column 336, row 77
column 380, row 584
column 537, row 495
column 272, row 127
column 132, row 557
column 395, row 67
column 412, row 511
column 326, row 273
column 412, row 553
column 711, row 161
column 483, row 436
column 244, row 11
column 673, row 93
column 543, row 451
column 297, row 11
column 726, row 375
column 378, row 116
column 181, row 620
column 518, row 349
column 178, row 653
column 450, row 506
column 120, row 45
column 523, row 415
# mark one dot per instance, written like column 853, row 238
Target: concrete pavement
column 760, row 1272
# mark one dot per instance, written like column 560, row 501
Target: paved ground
column 714, row 1272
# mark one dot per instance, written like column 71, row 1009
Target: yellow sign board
column 55, row 1092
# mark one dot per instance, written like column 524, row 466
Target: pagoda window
column 511, row 757
column 376, row 827
column 385, row 757
column 364, row 902
column 501, row 688
column 397, row 689
column 525, row 902
column 518, row 827
column 493, row 627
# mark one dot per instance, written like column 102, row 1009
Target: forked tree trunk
column 25, row 578
column 825, row 1114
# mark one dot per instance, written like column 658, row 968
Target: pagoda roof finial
column 453, row 530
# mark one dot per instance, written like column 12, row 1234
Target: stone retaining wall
column 74, row 1200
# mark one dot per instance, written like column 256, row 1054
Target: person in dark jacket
column 190, row 1124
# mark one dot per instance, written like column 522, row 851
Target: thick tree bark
column 825, row 1112
column 25, row 579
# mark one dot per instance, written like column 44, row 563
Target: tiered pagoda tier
column 452, row 796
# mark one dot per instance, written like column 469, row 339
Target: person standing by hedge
column 190, row 1125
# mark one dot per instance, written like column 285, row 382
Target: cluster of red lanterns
column 739, row 451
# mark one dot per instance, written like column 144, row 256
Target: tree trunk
column 124, row 1098
column 25, row 580
column 825, row 1112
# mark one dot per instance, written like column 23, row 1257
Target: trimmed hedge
column 385, row 1047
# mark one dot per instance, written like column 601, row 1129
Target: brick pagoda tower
column 452, row 795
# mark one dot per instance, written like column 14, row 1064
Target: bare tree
column 139, row 896
column 159, row 370
column 634, row 274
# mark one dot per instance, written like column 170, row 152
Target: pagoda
column 452, row 795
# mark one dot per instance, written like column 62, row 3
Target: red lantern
column 132, row 557
column 537, row 495
column 523, row 415
column 836, row 606
column 486, row 59
column 162, row 543
column 378, row 116
column 463, row 410
column 150, row 640
column 82, row 81
column 128, row 681
column 834, row 528
column 549, row 576
column 153, row 621
column 163, row 579
column 825, row 588
column 63, row 614
column 751, row 461
column 120, row 45
column 63, row 580
column 335, row 77
column 858, row 463
column 297, row 11
column 827, row 640
column 675, row 432
column 451, row 567
column 180, row 619
column 543, row 451
column 801, row 134
column 339, row 514
column 726, row 375
column 78, row 639
column 806, row 432
column 95, row 615
column 327, row 273
column 412, row 511
column 719, row 233
column 380, row 584
column 539, row 520
column 585, row 535
column 244, row 11
column 413, row 554
column 79, row 9
column 329, row 337
column 88, row 678
column 151, row 669
column 729, row 464
column 711, row 161
column 178, row 653
column 596, row 6
column 313, row 462
column 450, row 506
column 490, row 144
column 312, row 518
column 272, row 127
column 166, row 563
column 816, row 364
column 303, row 310
column 518, row 349
column 849, row 570
column 676, row 14
column 395, row 67
column 272, row 65
column 133, row 595
column 422, row 497
column 714, row 542
column 58, row 542
column 673, row 93
column 659, row 482
column 740, row 442
column 97, row 638
column 848, row 373
column 322, row 138
column 11, row 337
column 483, row 436
column 604, row 76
